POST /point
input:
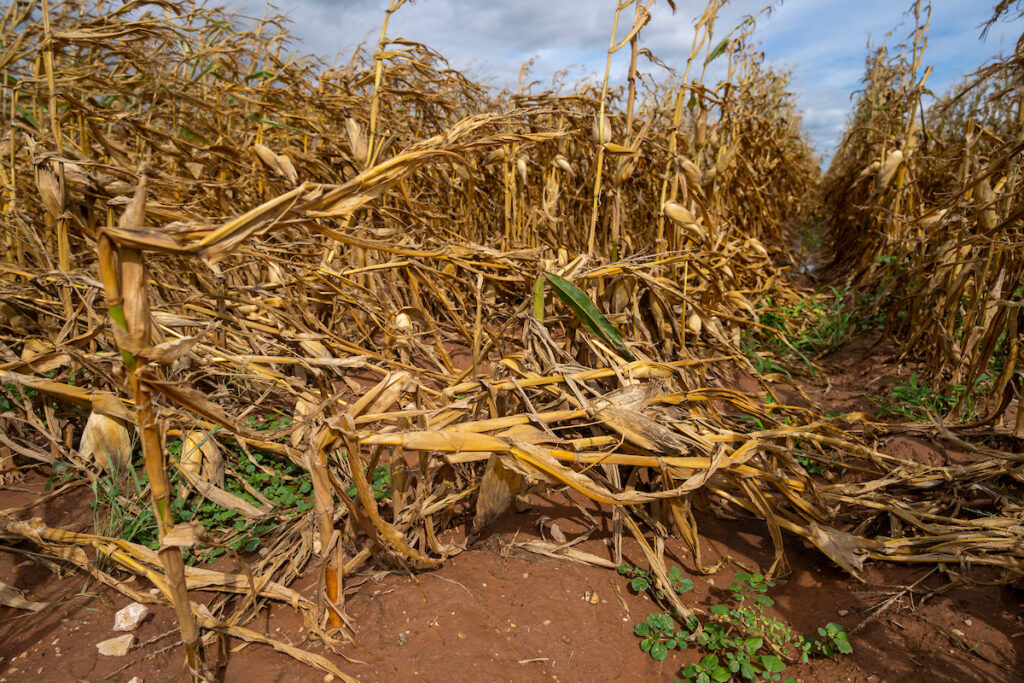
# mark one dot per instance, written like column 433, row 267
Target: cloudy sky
column 822, row 41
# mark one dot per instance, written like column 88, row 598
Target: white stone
column 135, row 679
column 128, row 618
column 116, row 647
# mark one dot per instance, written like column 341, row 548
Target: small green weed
column 381, row 484
column 813, row 464
column 709, row 669
column 280, row 481
column 642, row 581
column 659, row 634
column 741, row 641
column 813, row 326
column 809, row 465
column 811, row 233
column 795, row 332
column 835, row 640
column 128, row 514
column 122, row 514
column 914, row 400
column 15, row 395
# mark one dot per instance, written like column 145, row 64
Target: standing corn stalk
column 372, row 148
column 123, row 272
column 602, row 131
column 56, row 167
column 701, row 37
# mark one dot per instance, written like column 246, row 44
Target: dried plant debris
column 348, row 314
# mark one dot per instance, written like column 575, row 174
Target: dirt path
column 497, row 612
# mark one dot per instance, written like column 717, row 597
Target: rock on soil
column 116, row 647
column 128, row 618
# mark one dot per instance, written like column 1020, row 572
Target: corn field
column 478, row 294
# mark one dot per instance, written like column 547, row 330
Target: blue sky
column 823, row 42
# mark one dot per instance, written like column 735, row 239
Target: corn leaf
column 538, row 298
column 587, row 312
column 717, row 52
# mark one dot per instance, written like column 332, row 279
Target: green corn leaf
column 191, row 134
column 538, row 313
column 717, row 52
column 260, row 74
column 260, row 119
column 207, row 69
column 587, row 313
column 28, row 117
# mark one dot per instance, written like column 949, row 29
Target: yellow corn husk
column 682, row 217
column 602, row 129
column 105, row 441
column 564, row 164
column 887, row 171
column 201, row 457
column 357, row 140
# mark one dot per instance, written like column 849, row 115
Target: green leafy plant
column 381, row 484
column 707, row 670
column 742, row 642
column 643, row 581
column 915, row 400
column 15, row 395
column 123, row 513
column 835, row 640
column 659, row 634
column 813, row 326
column 126, row 513
column 811, row 466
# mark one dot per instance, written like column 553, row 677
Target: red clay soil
column 497, row 613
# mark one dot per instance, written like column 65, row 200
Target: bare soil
column 499, row 613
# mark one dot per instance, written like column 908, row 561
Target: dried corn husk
column 105, row 441
column 682, row 217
